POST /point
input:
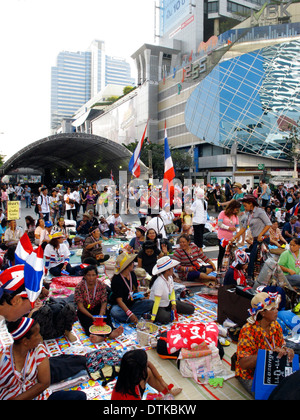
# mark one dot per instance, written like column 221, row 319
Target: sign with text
column 13, row 210
column 172, row 13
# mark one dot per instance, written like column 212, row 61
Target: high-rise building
column 78, row 76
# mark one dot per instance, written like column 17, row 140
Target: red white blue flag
column 23, row 249
column 134, row 164
column 34, row 274
column 169, row 172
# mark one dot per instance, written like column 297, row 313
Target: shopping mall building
column 231, row 98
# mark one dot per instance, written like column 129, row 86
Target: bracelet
column 129, row 313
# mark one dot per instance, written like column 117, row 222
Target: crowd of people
column 168, row 247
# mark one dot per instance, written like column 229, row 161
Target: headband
column 23, row 328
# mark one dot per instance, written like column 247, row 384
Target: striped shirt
column 14, row 383
column 54, row 257
column 185, row 261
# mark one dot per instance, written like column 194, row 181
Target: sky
column 33, row 32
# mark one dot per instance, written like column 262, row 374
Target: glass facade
column 252, row 99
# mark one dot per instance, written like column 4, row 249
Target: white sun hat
column 164, row 264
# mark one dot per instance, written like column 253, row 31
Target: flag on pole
column 169, row 171
column 111, row 175
column 34, row 274
column 23, row 249
column 134, row 164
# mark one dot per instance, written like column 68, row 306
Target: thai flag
column 294, row 210
column 34, row 274
column 111, row 175
column 134, row 164
column 224, row 242
column 169, row 172
column 23, row 249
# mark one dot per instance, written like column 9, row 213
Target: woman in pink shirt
column 228, row 223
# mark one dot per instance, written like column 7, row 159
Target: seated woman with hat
column 163, row 293
column 92, row 247
column 84, row 225
column 235, row 275
column 124, row 285
column 57, row 255
column 262, row 331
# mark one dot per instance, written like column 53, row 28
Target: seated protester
column 57, row 257
column 289, row 262
column 91, row 300
column 168, row 219
column 236, row 273
column 28, row 358
column 157, row 224
column 13, row 233
column 125, row 308
column 147, row 257
column 92, row 245
column 135, row 244
column 29, row 229
column 289, row 229
column 105, row 230
column 189, row 268
column 262, row 331
column 40, row 227
column 269, row 212
column 46, row 233
column 163, row 293
column 61, row 227
column 276, row 237
column 93, row 219
column 116, row 224
column 135, row 373
column 84, row 225
column 281, row 216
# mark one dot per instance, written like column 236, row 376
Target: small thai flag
column 34, row 274
column 224, row 242
column 134, row 164
column 23, row 249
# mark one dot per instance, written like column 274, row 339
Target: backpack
column 103, row 364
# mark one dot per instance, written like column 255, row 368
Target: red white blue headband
column 23, row 328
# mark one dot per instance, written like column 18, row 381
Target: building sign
column 172, row 12
column 268, row 13
column 193, row 70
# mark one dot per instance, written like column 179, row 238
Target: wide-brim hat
column 57, row 235
column 163, row 264
column 263, row 301
column 237, row 184
column 86, row 214
column 123, row 260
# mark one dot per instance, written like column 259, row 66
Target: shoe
column 224, row 342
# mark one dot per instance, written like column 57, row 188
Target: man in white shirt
column 116, row 224
column 43, row 202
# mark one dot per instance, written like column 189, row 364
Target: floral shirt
column 90, row 298
column 251, row 339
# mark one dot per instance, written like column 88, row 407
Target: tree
column 128, row 89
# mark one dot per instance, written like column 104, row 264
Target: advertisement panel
column 172, row 13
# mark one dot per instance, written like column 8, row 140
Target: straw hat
column 163, row 264
column 123, row 260
column 262, row 301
